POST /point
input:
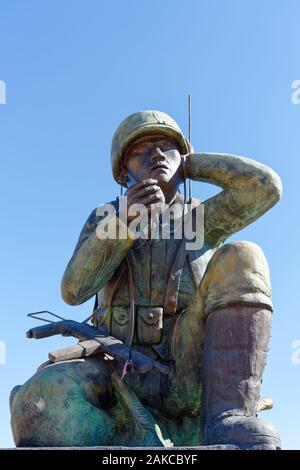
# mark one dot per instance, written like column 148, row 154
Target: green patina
column 81, row 403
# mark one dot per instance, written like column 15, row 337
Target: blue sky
column 73, row 70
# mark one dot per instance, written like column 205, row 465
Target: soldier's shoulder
column 101, row 209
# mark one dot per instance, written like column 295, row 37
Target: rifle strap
column 172, row 288
column 132, row 280
column 99, row 312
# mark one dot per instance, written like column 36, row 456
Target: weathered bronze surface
column 204, row 314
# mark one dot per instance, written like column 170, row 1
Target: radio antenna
column 190, row 138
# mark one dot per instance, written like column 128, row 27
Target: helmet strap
column 124, row 179
column 184, row 192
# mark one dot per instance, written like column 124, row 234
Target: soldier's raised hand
column 146, row 192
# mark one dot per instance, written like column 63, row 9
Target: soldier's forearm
column 249, row 190
column 92, row 265
column 231, row 171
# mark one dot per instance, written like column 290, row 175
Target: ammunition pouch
column 119, row 322
column 149, row 325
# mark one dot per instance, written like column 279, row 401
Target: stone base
column 115, row 448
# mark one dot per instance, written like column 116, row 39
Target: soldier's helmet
column 138, row 125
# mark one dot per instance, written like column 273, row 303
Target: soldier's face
column 155, row 157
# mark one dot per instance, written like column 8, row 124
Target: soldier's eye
column 141, row 149
column 166, row 146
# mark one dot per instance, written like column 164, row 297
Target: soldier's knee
column 28, row 406
column 43, row 408
column 238, row 257
column 238, row 272
column 13, row 394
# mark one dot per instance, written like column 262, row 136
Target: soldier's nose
column 157, row 155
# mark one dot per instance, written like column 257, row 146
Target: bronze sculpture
column 205, row 314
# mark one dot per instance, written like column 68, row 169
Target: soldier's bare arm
column 94, row 261
column 249, row 190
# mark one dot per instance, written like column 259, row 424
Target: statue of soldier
column 205, row 313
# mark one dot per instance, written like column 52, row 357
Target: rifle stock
column 92, row 342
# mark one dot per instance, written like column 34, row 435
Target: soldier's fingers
column 133, row 198
column 149, row 181
column 150, row 199
column 142, row 184
column 151, row 189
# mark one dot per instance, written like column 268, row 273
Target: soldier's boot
column 238, row 309
column 234, row 356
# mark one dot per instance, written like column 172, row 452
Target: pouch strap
column 171, row 295
column 132, row 279
column 99, row 312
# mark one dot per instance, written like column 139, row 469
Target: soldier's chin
column 161, row 175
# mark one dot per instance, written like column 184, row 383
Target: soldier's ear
column 124, row 177
column 130, row 181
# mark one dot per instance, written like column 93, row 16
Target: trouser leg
column 237, row 306
column 185, row 388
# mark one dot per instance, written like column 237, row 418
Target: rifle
column 91, row 341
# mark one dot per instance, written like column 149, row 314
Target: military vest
column 156, row 281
